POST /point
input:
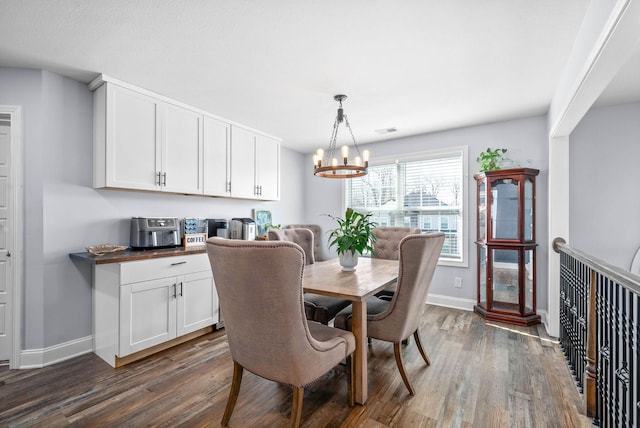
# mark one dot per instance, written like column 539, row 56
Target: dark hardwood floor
column 481, row 375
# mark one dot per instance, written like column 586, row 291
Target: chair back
column 301, row 236
column 318, row 252
column 419, row 256
column 259, row 285
column 387, row 245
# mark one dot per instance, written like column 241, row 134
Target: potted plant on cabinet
column 352, row 237
column 490, row 160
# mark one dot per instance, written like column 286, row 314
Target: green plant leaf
column 354, row 232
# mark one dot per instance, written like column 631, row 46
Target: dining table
column 370, row 276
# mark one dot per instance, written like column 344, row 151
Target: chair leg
column 425, row 357
column 403, row 373
column 350, row 381
column 296, row 409
column 233, row 393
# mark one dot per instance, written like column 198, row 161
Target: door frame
column 17, row 211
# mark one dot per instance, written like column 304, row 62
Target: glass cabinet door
column 482, row 211
column 505, row 285
column 528, row 210
column 482, row 278
column 529, row 280
column 504, row 209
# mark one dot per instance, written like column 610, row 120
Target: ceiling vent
column 386, row 130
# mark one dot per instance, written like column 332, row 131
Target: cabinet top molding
column 508, row 171
column 103, row 78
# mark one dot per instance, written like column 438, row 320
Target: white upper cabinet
column 126, row 137
column 145, row 141
column 181, row 163
column 268, row 168
column 255, row 161
column 243, row 163
column 216, row 159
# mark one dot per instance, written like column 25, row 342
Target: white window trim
column 432, row 154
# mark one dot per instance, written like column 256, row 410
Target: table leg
column 359, row 328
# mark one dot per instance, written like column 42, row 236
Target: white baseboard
column 544, row 318
column 38, row 358
column 451, row 302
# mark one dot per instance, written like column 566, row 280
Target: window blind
column 424, row 191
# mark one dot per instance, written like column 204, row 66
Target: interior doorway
column 10, row 253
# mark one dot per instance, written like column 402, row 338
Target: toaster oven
column 155, row 232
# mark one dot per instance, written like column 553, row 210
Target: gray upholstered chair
column 387, row 246
column 318, row 253
column 278, row 345
column 395, row 320
column 317, row 308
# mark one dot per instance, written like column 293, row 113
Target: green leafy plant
column 353, row 233
column 268, row 226
column 490, row 159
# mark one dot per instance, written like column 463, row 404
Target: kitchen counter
column 131, row 255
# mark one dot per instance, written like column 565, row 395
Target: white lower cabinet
column 141, row 304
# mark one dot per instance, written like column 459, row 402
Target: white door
column 133, row 140
column 147, row 314
column 216, row 167
column 182, row 150
column 197, row 302
column 268, row 168
column 6, row 239
column 243, row 163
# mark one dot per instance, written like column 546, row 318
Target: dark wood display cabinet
column 506, row 246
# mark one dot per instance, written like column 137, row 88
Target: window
column 425, row 190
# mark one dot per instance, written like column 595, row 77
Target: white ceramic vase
column 348, row 261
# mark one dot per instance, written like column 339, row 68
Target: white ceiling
column 416, row 65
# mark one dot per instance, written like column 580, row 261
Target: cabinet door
column 132, row 135
column 181, row 150
column 197, row 302
column 147, row 314
column 268, row 167
column 242, row 163
column 216, row 157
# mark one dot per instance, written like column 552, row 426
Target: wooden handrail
column 621, row 276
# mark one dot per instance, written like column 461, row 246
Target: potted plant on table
column 352, row 237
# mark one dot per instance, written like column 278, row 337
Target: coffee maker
column 218, row 227
column 243, row 228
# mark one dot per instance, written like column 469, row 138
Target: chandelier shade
column 336, row 164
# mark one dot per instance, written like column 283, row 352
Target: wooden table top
column 131, row 255
column 371, row 275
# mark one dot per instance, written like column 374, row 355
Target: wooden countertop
column 131, row 255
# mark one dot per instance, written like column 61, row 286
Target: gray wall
column 64, row 214
column 526, row 141
column 604, row 184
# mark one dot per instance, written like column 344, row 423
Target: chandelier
column 326, row 164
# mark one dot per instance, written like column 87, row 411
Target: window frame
column 464, row 200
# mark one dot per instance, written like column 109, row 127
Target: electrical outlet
column 458, row 282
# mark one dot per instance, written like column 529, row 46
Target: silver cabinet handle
column 181, row 289
column 178, row 263
column 158, row 175
column 8, row 253
column 164, row 178
column 175, row 291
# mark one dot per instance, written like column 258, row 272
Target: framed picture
column 262, row 219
